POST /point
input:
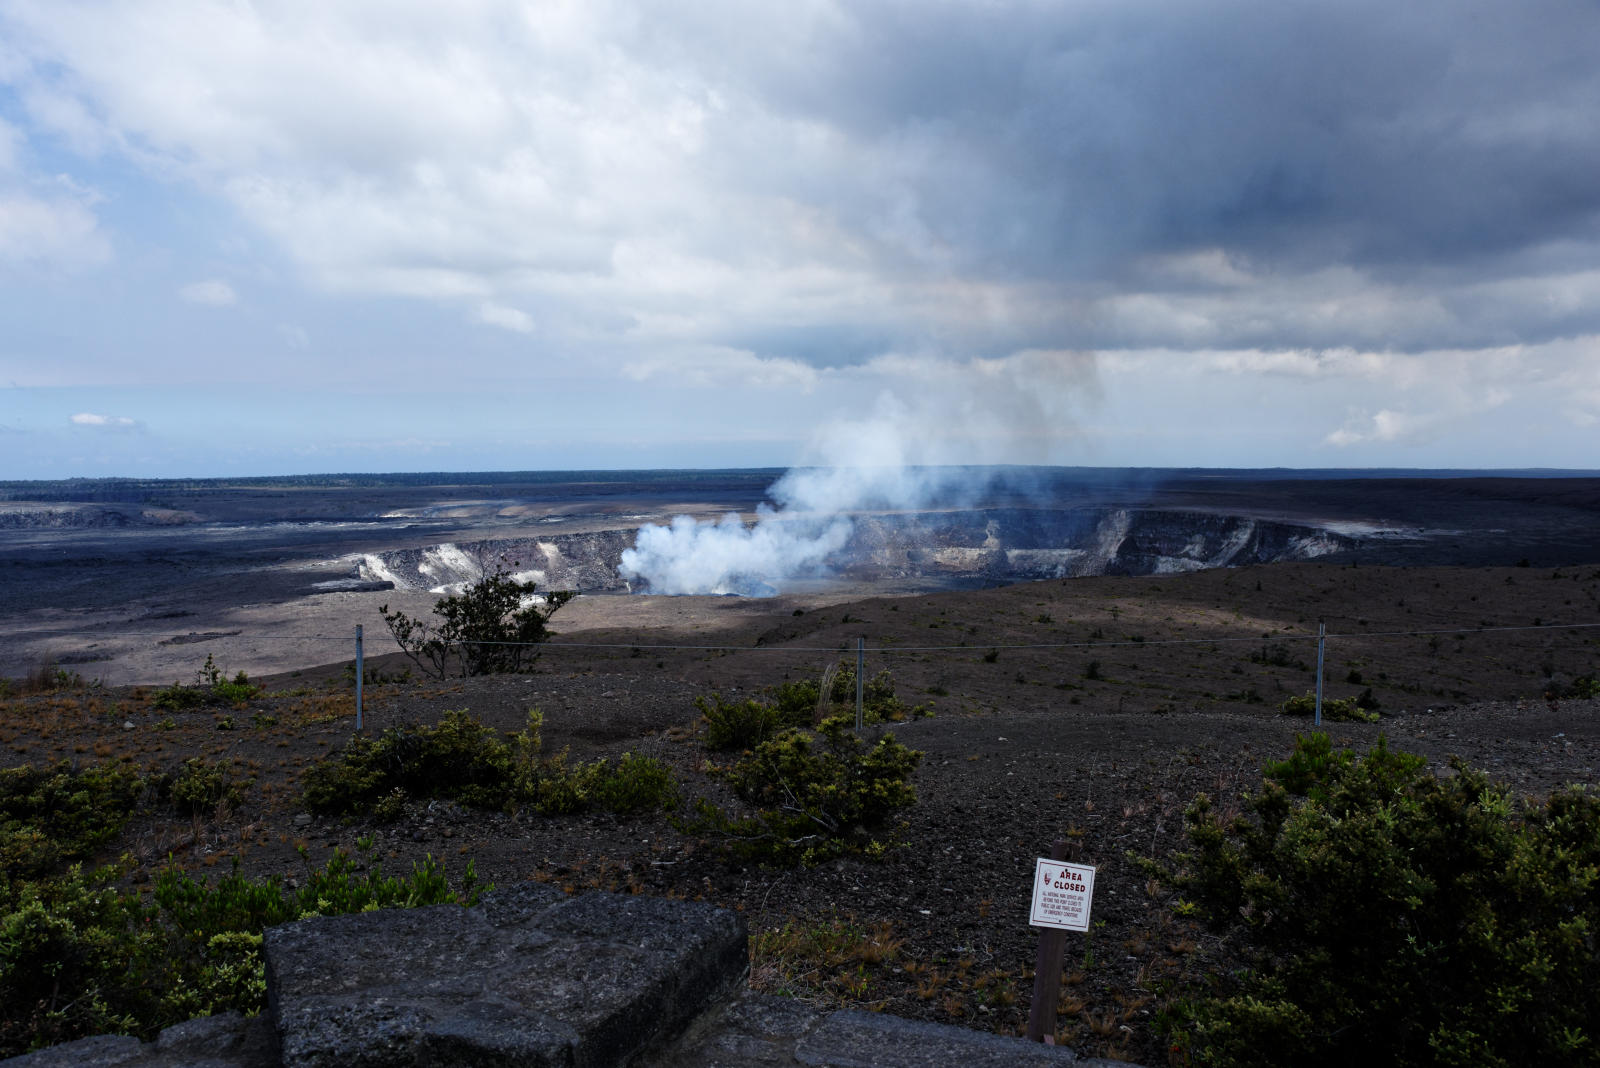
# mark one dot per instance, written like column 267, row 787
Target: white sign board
column 1062, row 892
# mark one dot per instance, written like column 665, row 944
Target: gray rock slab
column 748, row 1030
column 529, row 977
column 227, row 1040
column 851, row 1039
column 101, row 1051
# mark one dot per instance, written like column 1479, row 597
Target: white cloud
column 1457, row 405
column 1384, row 425
column 493, row 314
column 1577, row 376
column 216, row 293
column 109, row 421
column 724, row 368
column 49, row 232
column 10, row 137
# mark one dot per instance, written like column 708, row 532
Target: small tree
column 490, row 627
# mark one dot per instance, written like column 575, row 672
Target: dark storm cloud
column 1061, row 139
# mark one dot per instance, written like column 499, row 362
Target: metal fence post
column 360, row 672
column 860, row 661
column 1322, row 643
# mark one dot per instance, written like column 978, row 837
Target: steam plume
column 898, row 458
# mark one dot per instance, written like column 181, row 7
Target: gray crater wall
column 586, row 562
column 1014, row 545
column 932, row 548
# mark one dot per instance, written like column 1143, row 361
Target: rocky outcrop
column 533, row 977
column 586, row 562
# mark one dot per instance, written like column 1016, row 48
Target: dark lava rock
column 531, row 977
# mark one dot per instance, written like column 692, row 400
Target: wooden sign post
column 1062, row 893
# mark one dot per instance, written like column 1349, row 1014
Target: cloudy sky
column 269, row 237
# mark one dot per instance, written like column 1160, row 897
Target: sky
column 294, row 237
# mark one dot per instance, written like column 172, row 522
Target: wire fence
column 863, row 646
column 347, row 638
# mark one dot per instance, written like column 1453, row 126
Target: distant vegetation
column 1362, row 709
column 211, row 687
column 745, row 723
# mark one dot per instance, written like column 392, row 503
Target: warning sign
column 1061, row 894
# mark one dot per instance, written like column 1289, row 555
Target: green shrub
column 459, row 759
column 211, row 687
column 76, row 958
column 737, row 724
column 636, row 784
column 54, row 815
column 815, row 795
column 1334, row 709
column 878, row 701
column 180, row 698
column 1397, row 917
column 732, row 725
column 463, row 760
column 559, row 790
column 203, row 787
column 1584, row 687
column 796, row 702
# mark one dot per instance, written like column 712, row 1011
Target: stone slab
column 529, row 977
column 748, row 1030
column 851, row 1039
column 226, row 1040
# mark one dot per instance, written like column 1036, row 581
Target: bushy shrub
column 795, row 702
column 744, row 724
column 211, row 687
column 741, row 724
column 53, row 815
column 202, row 787
column 1398, row 917
column 463, row 760
column 878, row 701
column 1584, row 687
column 1334, row 709
column 815, row 795
column 72, row 951
column 637, row 784
column 459, row 759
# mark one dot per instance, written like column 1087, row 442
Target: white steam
column 728, row 557
column 899, row 458
column 868, row 465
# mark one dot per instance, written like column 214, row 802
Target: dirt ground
column 1094, row 708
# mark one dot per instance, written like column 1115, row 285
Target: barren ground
column 1137, row 695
